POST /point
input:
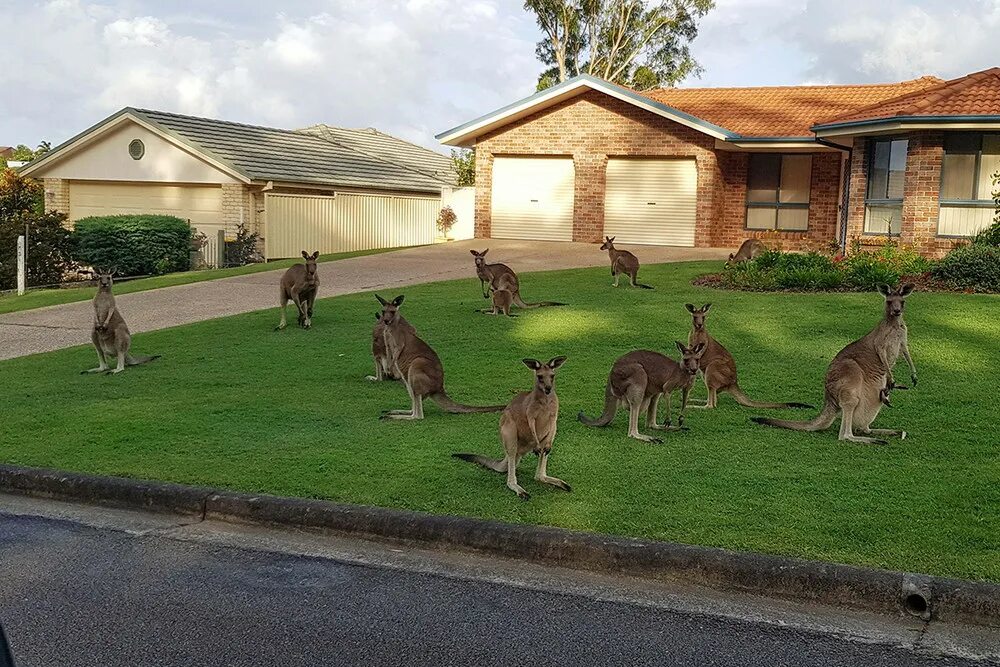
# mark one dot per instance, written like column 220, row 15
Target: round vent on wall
column 136, row 149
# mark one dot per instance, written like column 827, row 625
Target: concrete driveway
column 57, row 327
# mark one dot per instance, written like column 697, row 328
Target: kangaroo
column 718, row 368
column 639, row 379
column 111, row 334
column 622, row 261
column 502, row 300
column 528, row 424
column 383, row 364
column 418, row 366
column 859, row 378
column 497, row 277
column 748, row 250
column 300, row 284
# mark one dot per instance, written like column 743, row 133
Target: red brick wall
column 594, row 126
column 918, row 226
column 824, row 205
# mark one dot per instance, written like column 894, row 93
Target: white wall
column 463, row 203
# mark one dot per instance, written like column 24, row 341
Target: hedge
column 134, row 245
column 975, row 267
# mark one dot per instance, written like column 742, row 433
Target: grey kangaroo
column 300, row 284
column 418, row 366
column 111, row 335
column 718, row 368
column 622, row 261
column 748, row 250
column 383, row 364
column 528, row 424
column 498, row 277
column 638, row 379
column 502, row 300
column 859, row 378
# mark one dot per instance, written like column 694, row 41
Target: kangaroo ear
column 381, row 300
column 690, row 307
column 474, row 253
column 884, row 290
column 906, row 290
column 305, row 255
column 378, row 316
column 483, row 253
column 398, row 301
column 533, row 364
column 731, row 255
column 556, row 362
column 705, row 308
column 699, row 348
column 680, row 346
column 316, row 255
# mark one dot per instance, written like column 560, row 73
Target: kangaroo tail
column 497, row 465
column 135, row 361
column 642, row 286
column 445, row 403
column 520, row 302
column 822, row 421
column 748, row 402
column 610, row 407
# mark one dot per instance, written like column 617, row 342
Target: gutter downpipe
column 845, row 187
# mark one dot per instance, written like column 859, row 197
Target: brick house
column 804, row 166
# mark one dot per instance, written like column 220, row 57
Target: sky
column 414, row 68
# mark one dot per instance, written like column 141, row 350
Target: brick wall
column 922, row 182
column 56, row 194
column 594, row 126
column 237, row 205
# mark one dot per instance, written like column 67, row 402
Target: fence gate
column 346, row 222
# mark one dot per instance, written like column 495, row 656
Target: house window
column 778, row 191
column 967, row 170
column 884, row 197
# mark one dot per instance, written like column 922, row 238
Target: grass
column 10, row 303
column 234, row 404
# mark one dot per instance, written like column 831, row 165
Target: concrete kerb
column 882, row 591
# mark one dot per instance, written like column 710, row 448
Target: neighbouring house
column 6, row 152
column 321, row 188
column 805, row 166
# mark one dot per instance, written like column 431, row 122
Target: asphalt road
column 77, row 595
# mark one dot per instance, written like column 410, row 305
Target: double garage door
column 647, row 201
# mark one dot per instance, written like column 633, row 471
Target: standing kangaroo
column 383, row 364
column 502, row 300
column 498, row 277
column 748, row 250
column 528, row 424
column 622, row 261
column 718, row 368
column 418, row 366
column 300, row 284
column 639, row 379
column 859, row 378
column 111, row 335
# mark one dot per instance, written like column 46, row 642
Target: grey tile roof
column 387, row 147
column 272, row 154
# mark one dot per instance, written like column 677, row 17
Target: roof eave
column 464, row 135
column 893, row 123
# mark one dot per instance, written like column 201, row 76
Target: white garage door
column 651, row 201
column 533, row 198
column 200, row 204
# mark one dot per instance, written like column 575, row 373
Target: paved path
column 154, row 592
column 56, row 327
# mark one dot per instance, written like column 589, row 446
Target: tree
column 464, row 162
column 19, row 194
column 22, row 153
column 632, row 42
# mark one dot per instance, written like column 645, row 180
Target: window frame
column 777, row 204
column 963, row 203
column 883, row 202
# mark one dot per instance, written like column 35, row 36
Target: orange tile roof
column 972, row 95
column 780, row 111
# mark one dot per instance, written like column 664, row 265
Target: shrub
column 446, row 220
column 988, row 236
column 974, row 267
column 134, row 245
column 19, row 194
column 49, row 246
column 243, row 248
column 885, row 266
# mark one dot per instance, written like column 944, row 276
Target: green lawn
column 10, row 303
column 234, row 404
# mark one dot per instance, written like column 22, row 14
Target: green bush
column 134, row 245
column 49, row 248
column 815, row 271
column 974, row 267
column 988, row 236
